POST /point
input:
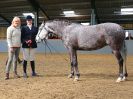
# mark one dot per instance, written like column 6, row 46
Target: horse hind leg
column 120, row 62
column 123, row 52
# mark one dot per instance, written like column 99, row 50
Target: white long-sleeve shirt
column 13, row 36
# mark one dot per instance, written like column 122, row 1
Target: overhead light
column 41, row 17
column 85, row 23
column 126, row 11
column 26, row 14
column 69, row 13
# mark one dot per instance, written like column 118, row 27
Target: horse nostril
column 37, row 41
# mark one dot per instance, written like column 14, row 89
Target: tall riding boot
column 7, row 76
column 33, row 68
column 16, row 75
column 19, row 60
column 24, row 69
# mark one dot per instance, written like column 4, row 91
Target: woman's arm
column 22, row 35
column 9, row 37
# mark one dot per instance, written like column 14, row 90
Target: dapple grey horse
column 78, row 37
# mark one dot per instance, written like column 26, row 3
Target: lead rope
column 47, row 44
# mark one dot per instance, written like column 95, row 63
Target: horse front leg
column 72, row 72
column 72, row 67
column 74, row 64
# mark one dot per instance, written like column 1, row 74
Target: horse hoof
column 120, row 79
column 76, row 79
column 126, row 75
column 124, row 78
column 70, row 76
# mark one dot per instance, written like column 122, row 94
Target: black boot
column 19, row 60
column 33, row 68
column 7, row 76
column 24, row 69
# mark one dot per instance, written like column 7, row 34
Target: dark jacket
column 27, row 34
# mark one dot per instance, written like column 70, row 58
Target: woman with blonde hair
column 14, row 44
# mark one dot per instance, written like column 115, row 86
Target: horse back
column 93, row 37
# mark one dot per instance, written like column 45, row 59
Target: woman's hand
column 11, row 49
column 29, row 42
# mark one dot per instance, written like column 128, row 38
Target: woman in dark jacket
column 29, row 44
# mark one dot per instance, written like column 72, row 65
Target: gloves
column 29, row 42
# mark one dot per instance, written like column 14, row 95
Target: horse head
column 43, row 32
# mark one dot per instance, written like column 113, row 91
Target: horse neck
column 59, row 31
column 59, row 27
column 59, row 34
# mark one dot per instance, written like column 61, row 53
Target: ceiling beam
column 16, row 8
column 113, row 3
column 49, row 2
column 9, row 1
column 67, row 6
column 123, row 21
column 13, row 4
column 82, row 18
column 5, row 19
column 36, row 7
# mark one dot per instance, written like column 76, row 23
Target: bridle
column 40, row 30
column 44, row 41
column 48, row 32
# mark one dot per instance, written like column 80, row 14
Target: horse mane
column 60, row 21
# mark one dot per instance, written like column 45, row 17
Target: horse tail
column 123, row 52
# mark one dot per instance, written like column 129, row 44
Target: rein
column 44, row 41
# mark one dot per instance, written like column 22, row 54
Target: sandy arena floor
column 97, row 81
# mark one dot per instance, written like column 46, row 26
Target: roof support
column 94, row 16
column 36, row 20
